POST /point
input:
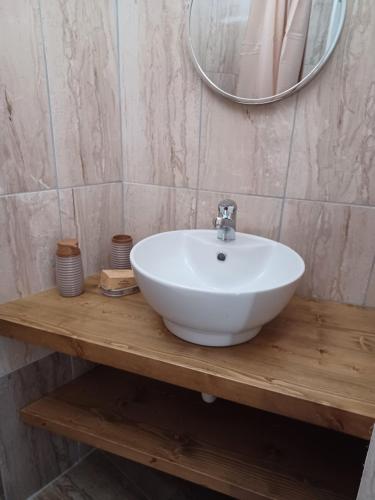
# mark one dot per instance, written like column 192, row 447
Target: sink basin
column 212, row 292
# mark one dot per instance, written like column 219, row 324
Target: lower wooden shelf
column 237, row 450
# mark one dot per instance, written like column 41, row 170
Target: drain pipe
column 208, row 398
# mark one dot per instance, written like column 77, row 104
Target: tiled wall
column 105, row 126
column 60, row 145
column 60, row 175
column 29, row 457
column 302, row 170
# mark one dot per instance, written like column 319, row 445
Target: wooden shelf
column 240, row 451
column 315, row 362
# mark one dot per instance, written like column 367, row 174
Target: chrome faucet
column 225, row 222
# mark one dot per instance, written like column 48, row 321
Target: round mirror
column 259, row 51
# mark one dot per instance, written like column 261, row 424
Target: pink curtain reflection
column 273, row 47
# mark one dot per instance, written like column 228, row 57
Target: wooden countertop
column 315, row 362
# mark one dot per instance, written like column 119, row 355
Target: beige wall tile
column 30, row 457
column 337, row 243
column 26, row 162
column 370, row 299
column 15, row 355
column 154, row 209
column 256, row 215
column 29, row 229
column 245, row 149
column 333, row 146
column 82, row 65
column 161, row 94
column 93, row 214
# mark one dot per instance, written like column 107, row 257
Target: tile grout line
column 34, row 496
column 197, row 190
column 163, row 186
column 52, row 134
column 252, row 195
column 51, row 129
column 81, row 186
column 119, row 84
column 284, row 198
column 327, row 202
column 371, row 274
column 27, row 363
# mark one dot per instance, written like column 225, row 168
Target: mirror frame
column 277, row 97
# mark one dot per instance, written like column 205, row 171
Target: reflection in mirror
column 261, row 50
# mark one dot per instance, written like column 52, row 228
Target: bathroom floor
column 102, row 476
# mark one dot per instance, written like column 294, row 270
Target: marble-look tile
column 95, row 478
column 26, row 162
column 29, row 229
column 154, row 209
column 157, row 485
column 93, row 214
column 256, row 215
column 80, row 367
column 31, row 457
column 15, row 355
column 332, row 155
column 370, row 298
column 245, row 149
column 161, row 94
column 104, row 476
column 81, row 51
column 337, row 243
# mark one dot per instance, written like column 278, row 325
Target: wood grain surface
column 239, row 451
column 315, row 362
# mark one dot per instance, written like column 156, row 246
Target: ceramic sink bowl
column 213, row 292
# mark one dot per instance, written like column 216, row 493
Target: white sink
column 215, row 302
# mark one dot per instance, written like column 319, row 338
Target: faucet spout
column 225, row 222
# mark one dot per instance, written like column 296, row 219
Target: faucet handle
column 227, row 209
